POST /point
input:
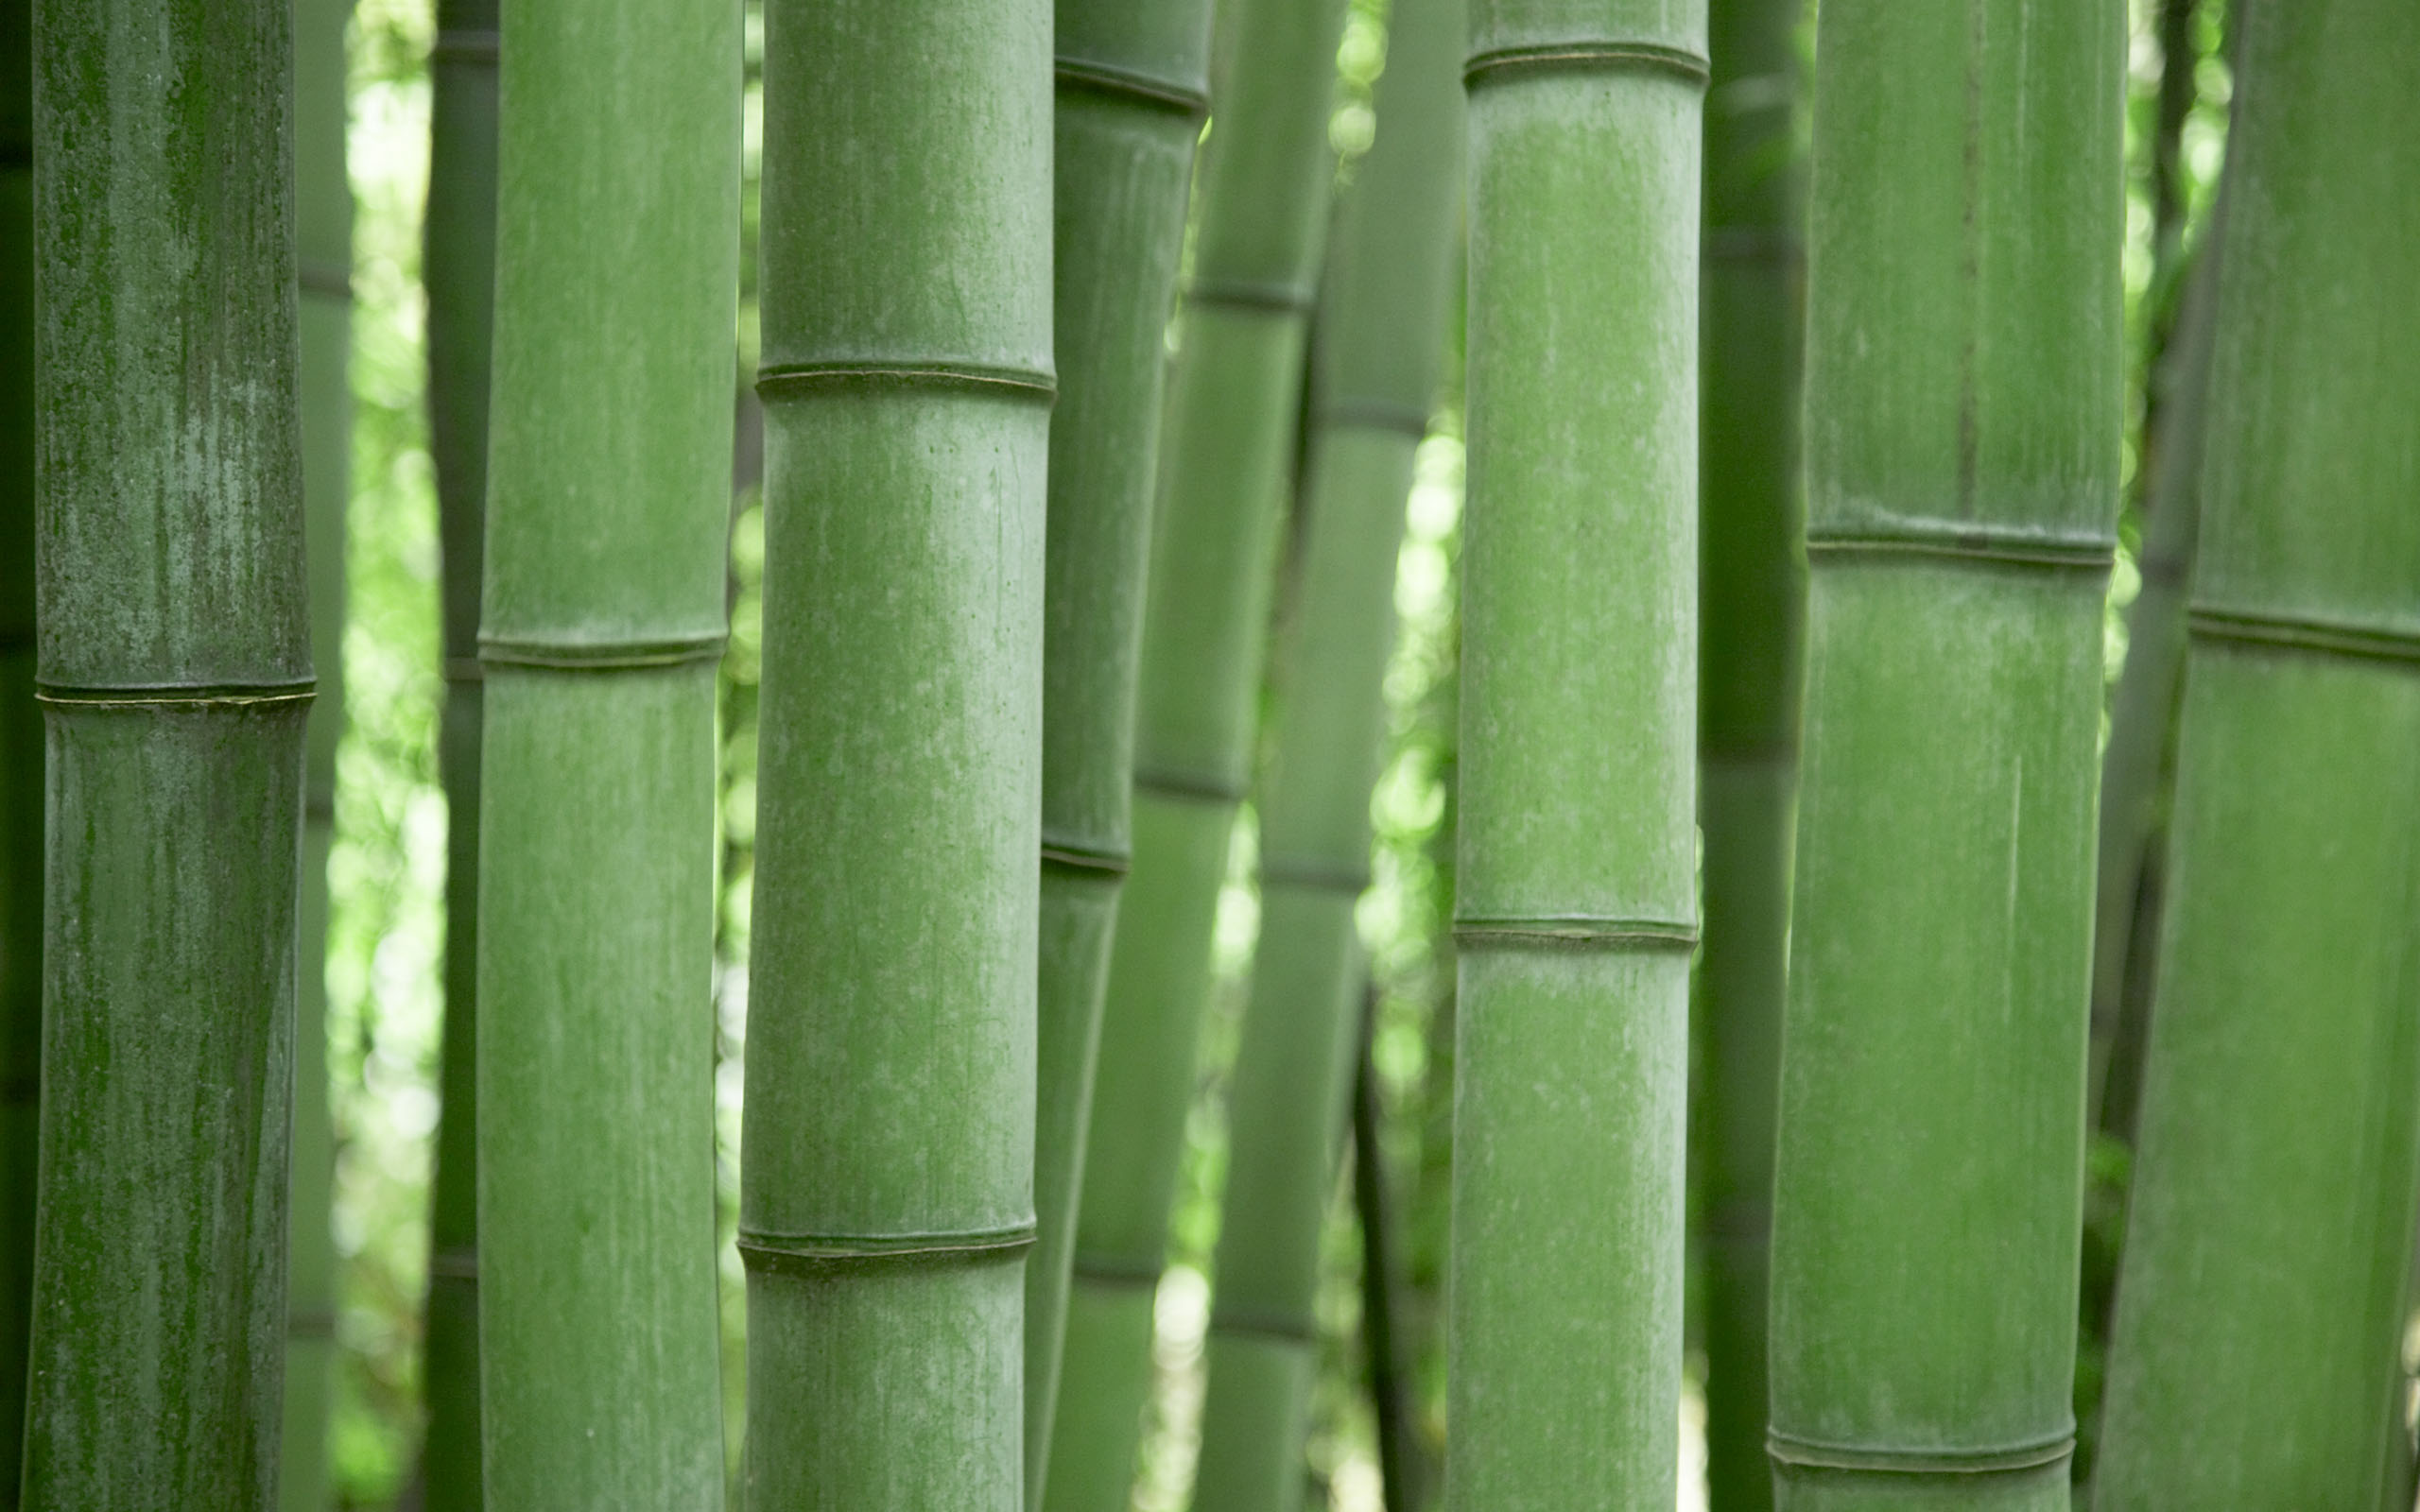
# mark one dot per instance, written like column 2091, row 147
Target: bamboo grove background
column 401, row 664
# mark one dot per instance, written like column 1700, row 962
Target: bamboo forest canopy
column 1239, row 755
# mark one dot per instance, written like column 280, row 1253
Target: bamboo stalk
column 175, row 675
column 1752, row 581
column 601, row 620
column 21, row 743
column 1964, row 374
column 1576, row 910
column 1381, row 342
column 2280, row 1126
column 457, row 268
column 886, row 1179
column 1132, row 84
column 1387, row 1364
column 1225, row 454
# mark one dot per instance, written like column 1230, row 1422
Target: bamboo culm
column 458, row 264
column 2279, row 1128
column 1373, row 377
column 1577, row 906
column 887, row 1173
column 1224, row 459
column 1753, row 592
column 1132, row 86
column 1963, row 380
column 174, row 667
column 21, row 740
column 601, row 620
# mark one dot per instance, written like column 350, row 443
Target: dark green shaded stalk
column 1576, row 910
column 21, row 740
column 1753, row 591
column 1223, row 469
column 2274, row 1185
column 1403, row 1471
column 602, row 619
column 457, row 268
column 175, row 673
column 1132, row 83
column 887, row 1171
column 1380, row 342
column 1963, row 382
column 324, row 264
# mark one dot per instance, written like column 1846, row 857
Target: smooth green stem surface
column 175, row 665
column 1964, row 382
column 21, row 740
column 601, row 618
column 1577, row 906
column 1132, row 84
column 2260, row 1312
column 1380, row 342
column 887, row 1173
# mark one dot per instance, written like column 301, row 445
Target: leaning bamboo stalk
column 175, row 671
column 1753, row 585
column 2280, row 1117
column 1132, row 84
column 601, row 621
column 1964, row 378
column 20, row 742
column 1226, row 451
column 1375, row 375
column 1577, row 908
column 457, row 268
column 887, row 1178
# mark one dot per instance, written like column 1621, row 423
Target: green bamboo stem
column 1964, row 374
column 887, row 1172
column 2273, row 1184
column 457, row 268
column 1381, row 342
column 1386, row 1357
column 601, row 620
column 175, row 675
column 21, row 743
column 1577, row 908
column 1753, row 585
column 1132, row 84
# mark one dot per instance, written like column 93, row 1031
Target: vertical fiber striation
column 21, row 740
column 601, row 620
column 2254, row 1360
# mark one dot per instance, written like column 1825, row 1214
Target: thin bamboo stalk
column 1380, row 344
column 175, row 675
column 21, row 743
column 1576, row 910
column 887, row 1178
column 1132, row 85
column 1387, row 1364
column 2281, row 1120
column 457, row 268
column 1752, row 583
column 1224, row 459
column 602, row 621
column 1964, row 378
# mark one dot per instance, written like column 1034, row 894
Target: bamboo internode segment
column 2280, row 1118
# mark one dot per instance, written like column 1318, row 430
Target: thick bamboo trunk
column 1964, row 374
column 175, row 671
column 886, row 1181
column 2253, row 1361
column 1222, row 478
column 1753, row 592
column 20, row 742
column 457, row 268
column 1375, row 376
column 1132, row 84
column 601, row 620
column 1577, row 908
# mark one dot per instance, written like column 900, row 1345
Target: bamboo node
column 1113, row 1270
column 1769, row 246
column 2310, row 635
column 466, row 45
column 1177, row 97
column 1280, row 1324
column 793, row 380
column 1587, row 57
column 1088, row 859
column 1576, row 932
column 1201, row 787
column 1966, row 540
column 325, row 277
column 605, row 656
column 1374, row 414
column 1789, row 1451
column 455, row 1262
column 1259, row 296
column 1322, row 876
column 160, row 695
column 818, row 1254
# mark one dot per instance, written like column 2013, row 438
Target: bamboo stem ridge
column 457, row 268
column 21, row 743
column 2280, row 1113
column 1132, row 84
column 602, row 619
column 1575, row 913
column 175, row 675
column 1224, row 460
column 1375, row 376
column 886, row 1179
column 1964, row 374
